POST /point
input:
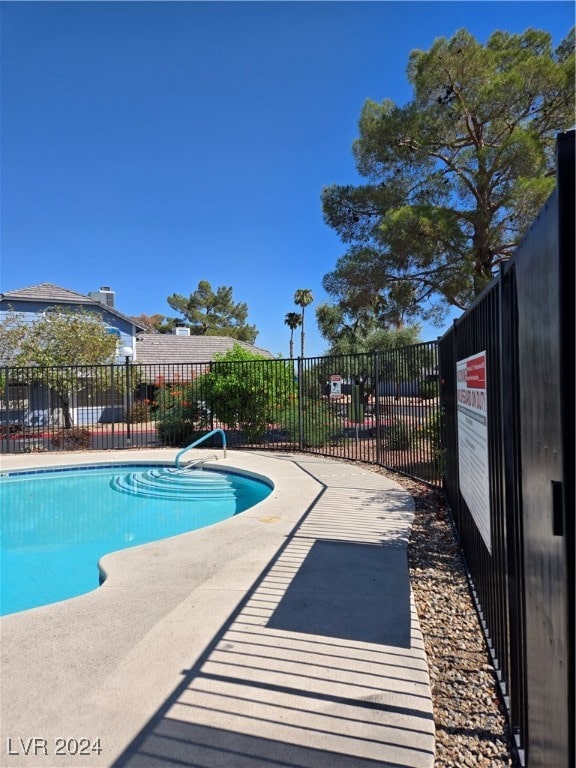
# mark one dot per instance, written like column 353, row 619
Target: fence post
column 376, row 380
column 113, row 402
column 6, row 407
column 515, row 573
column 128, row 416
column 456, row 465
column 300, row 406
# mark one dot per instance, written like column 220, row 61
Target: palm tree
column 292, row 320
column 302, row 298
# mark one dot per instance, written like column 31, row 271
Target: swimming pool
column 56, row 524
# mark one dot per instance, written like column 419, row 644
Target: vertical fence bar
column 7, row 414
column 514, row 526
column 300, row 404
column 113, row 406
column 128, row 413
column 377, row 416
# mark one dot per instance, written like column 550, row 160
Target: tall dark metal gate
column 508, row 435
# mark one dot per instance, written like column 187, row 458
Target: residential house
column 36, row 299
column 182, row 349
column 147, row 348
column 158, row 356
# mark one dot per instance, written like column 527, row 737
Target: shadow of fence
column 322, row 664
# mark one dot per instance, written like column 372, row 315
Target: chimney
column 105, row 296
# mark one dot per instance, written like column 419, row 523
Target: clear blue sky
column 147, row 146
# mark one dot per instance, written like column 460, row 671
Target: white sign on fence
column 335, row 385
column 471, row 402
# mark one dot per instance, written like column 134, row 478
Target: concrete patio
column 284, row 636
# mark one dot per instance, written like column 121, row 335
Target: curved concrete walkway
column 285, row 636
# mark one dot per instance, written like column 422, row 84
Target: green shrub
column 181, row 417
column 431, row 431
column 317, row 422
column 246, row 391
column 139, row 412
column 428, row 389
column 397, row 437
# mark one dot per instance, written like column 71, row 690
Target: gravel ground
column 471, row 724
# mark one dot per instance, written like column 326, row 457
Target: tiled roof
column 47, row 292
column 165, row 349
column 56, row 294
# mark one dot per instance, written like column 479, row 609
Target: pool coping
column 131, row 659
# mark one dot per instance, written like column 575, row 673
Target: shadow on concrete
column 318, row 667
column 175, row 743
column 371, row 607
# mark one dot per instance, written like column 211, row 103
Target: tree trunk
column 65, row 403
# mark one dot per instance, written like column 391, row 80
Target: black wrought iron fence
column 508, row 440
column 380, row 408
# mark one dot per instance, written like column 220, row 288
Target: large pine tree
column 213, row 314
column 454, row 177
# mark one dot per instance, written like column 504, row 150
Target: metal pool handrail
column 201, row 440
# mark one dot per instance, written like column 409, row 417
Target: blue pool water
column 56, row 525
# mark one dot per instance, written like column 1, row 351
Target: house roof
column 151, row 348
column 55, row 294
column 47, row 292
column 169, row 349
